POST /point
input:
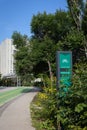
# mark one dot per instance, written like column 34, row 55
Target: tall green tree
column 76, row 9
column 40, row 25
column 47, row 30
column 44, row 51
column 19, row 40
column 55, row 26
column 22, row 58
column 84, row 27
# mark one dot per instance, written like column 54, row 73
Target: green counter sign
column 64, row 67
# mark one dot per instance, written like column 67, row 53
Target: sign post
column 64, row 68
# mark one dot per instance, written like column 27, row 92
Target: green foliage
column 73, row 107
column 54, row 26
column 38, row 55
column 43, row 53
column 53, row 109
column 22, row 57
column 23, row 64
column 63, row 23
column 76, row 8
column 44, row 109
column 47, row 30
column 84, row 20
column 19, row 40
column 74, row 41
column 43, row 50
column 41, row 24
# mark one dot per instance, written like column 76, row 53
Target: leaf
column 80, row 107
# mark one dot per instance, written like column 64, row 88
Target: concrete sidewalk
column 17, row 115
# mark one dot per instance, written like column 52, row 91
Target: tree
column 22, row 58
column 19, row 40
column 23, row 65
column 63, row 23
column 76, row 8
column 44, row 51
column 78, row 12
column 55, row 26
column 84, row 28
column 84, row 20
column 74, row 41
column 41, row 25
column 47, row 30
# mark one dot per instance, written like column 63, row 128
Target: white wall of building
column 7, row 57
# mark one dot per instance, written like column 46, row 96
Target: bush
column 59, row 110
column 72, row 111
column 44, row 109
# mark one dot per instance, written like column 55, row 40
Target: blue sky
column 16, row 15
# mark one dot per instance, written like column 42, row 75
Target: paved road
column 16, row 116
column 7, row 89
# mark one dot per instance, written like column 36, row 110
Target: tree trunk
column 50, row 72
column 85, row 47
column 86, row 52
column 76, row 15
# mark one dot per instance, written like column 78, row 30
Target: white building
column 7, row 50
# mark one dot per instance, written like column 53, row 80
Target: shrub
column 59, row 110
column 72, row 111
column 44, row 109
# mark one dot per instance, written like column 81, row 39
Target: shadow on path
column 32, row 89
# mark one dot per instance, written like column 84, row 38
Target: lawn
column 8, row 95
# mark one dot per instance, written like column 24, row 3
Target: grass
column 8, row 95
column 34, row 113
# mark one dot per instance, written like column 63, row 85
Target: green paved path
column 7, row 95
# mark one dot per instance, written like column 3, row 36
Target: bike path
column 17, row 114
